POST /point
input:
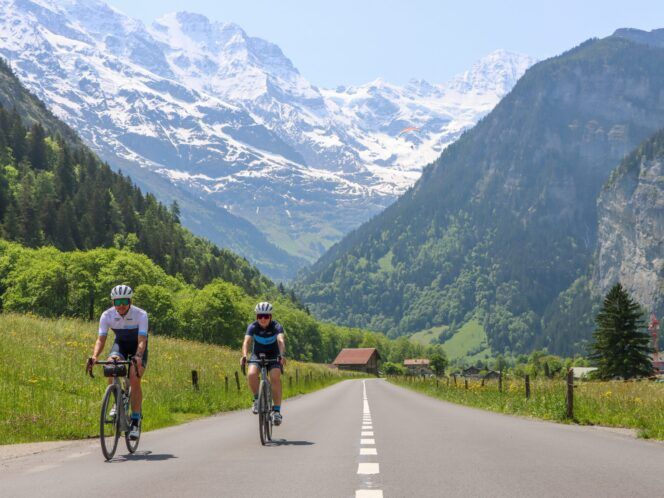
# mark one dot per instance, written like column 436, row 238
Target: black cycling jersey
column 265, row 339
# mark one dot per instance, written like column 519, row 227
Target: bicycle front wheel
column 109, row 430
column 268, row 402
column 263, row 413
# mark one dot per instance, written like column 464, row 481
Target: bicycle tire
column 263, row 413
column 109, row 430
column 132, row 444
column 268, row 401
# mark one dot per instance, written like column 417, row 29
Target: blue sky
column 355, row 41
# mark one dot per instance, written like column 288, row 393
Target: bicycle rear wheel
column 109, row 431
column 263, row 413
column 132, row 444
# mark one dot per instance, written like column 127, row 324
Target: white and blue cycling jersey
column 127, row 328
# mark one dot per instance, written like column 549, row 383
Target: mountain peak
column 654, row 38
column 496, row 72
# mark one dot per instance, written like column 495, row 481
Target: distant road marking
column 367, row 433
column 367, row 427
column 368, row 451
column 367, row 441
column 368, row 468
column 369, row 493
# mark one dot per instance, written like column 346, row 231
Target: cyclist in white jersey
column 130, row 325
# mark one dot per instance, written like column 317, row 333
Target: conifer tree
column 36, row 147
column 621, row 347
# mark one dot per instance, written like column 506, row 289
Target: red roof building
column 359, row 359
column 418, row 366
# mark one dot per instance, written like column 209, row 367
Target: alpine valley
column 260, row 160
column 522, row 224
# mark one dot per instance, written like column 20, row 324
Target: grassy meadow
column 46, row 395
column 635, row 405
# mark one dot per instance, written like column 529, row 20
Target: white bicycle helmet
column 263, row 308
column 122, row 291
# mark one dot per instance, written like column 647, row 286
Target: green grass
column 428, row 336
column 635, row 405
column 468, row 338
column 45, row 394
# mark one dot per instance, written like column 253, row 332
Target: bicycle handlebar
column 118, row 362
column 263, row 362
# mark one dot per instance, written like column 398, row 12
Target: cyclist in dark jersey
column 266, row 336
column 130, row 325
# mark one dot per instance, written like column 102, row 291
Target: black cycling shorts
column 126, row 349
column 272, row 361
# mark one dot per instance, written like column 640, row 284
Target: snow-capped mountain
column 229, row 118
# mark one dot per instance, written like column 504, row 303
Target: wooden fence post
column 570, row 393
column 290, row 382
column 92, row 304
column 297, row 376
column 194, row 379
column 527, row 386
column 482, row 384
column 237, row 381
column 226, row 382
column 454, row 379
column 465, row 383
column 500, row 381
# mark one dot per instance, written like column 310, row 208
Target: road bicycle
column 264, row 400
column 115, row 418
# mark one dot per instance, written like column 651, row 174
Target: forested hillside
column 505, row 220
column 57, row 192
column 49, row 282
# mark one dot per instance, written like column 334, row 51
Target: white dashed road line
column 368, row 493
column 367, row 468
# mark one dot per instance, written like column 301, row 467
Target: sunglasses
column 121, row 302
column 263, row 317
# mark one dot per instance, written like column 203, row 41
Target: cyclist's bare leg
column 275, row 381
column 252, row 378
column 136, row 392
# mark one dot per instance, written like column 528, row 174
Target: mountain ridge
column 226, row 124
column 505, row 220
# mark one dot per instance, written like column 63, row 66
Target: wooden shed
column 359, row 359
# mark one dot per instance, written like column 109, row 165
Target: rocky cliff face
column 630, row 247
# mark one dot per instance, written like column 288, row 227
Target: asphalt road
column 354, row 439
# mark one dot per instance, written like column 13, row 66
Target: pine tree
column 621, row 347
column 37, row 147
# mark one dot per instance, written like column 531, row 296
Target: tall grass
column 636, row 405
column 46, row 395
